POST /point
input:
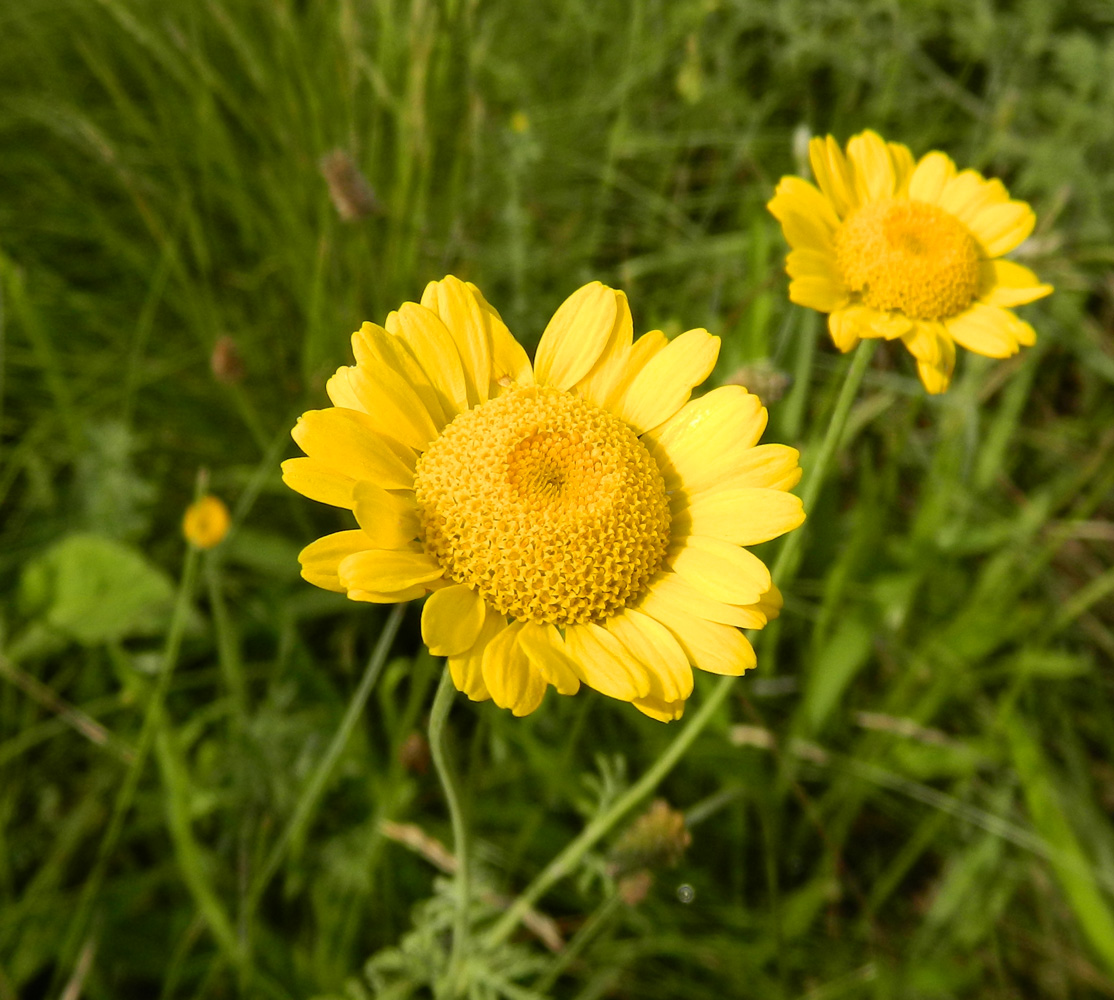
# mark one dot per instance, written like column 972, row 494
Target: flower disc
column 910, row 256
column 546, row 504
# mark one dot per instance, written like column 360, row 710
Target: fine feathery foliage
column 213, row 778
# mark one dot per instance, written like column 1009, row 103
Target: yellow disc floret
column 546, row 504
column 910, row 256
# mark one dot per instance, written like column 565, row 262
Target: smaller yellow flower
column 892, row 247
column 206, row 522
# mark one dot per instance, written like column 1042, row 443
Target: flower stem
column 784, row 568
column 439, row 713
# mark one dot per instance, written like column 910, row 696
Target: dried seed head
column 657, row 839
column 352, row 195
column 226, row 361
column 413, row 753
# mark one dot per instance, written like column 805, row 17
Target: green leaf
column 94, row 590
column 1071, row 864
column 843, row 657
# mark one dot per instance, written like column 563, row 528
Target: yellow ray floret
column 893, row 248
column 576, row 521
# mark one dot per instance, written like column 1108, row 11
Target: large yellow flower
column 892, row 248
column 578, row 521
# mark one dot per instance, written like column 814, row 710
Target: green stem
column 583, row 937
column 228, row 645
column 783, row 571
column 439, row 713
column 785, row 567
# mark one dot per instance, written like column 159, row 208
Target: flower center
column 546, row 504
column 910, row 256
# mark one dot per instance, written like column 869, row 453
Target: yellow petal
column 1007, row 284
column 935, row 354
column 509, row 362
column 387, row 596
column 646, row 347
column 469, row 324
column 871, row 167
column 341, row 392
column 681, row 595
column 989, row 331
column 321, row 558
column 433, row 346
column 378, row 351
column 545, row 650
column 451, row 620
column 890, row 325
column 388, row 570
column 833, row 174
column 1000, row 228
column 720, row 569
column 935, row 377
column 707, row 438
column 513, row 683
column 603, row 663
column 845, row 326
column 466, row 669
column 741, row 516
column 390, row 521
column 652, row 644
column 659, row 709
column 719, row 649
column 814, row 264
column 318, row 481
column 821, row 294
column 773, row 466
column 347, row 442
column 903, row 162
column 926, row 341
column 392, row 405
column 770, row 605
column 575, row 336
column 667, row 381
column 932, row 174
column 612, row 363
column 968, row 193
column 807, row 218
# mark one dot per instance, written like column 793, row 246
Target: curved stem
column 783, row 571
column 438, row 715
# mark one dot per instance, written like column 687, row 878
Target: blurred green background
column 911, row 798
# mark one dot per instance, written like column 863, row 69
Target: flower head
column 206, row 522
column 894, row 248
column 578, row 520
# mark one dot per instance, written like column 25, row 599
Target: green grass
column 910, row 798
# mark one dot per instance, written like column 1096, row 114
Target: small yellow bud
column 520, row 122
column 206, row 522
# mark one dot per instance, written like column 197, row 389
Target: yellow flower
column 892, row 248
column 206, row 522
column 576, row 521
